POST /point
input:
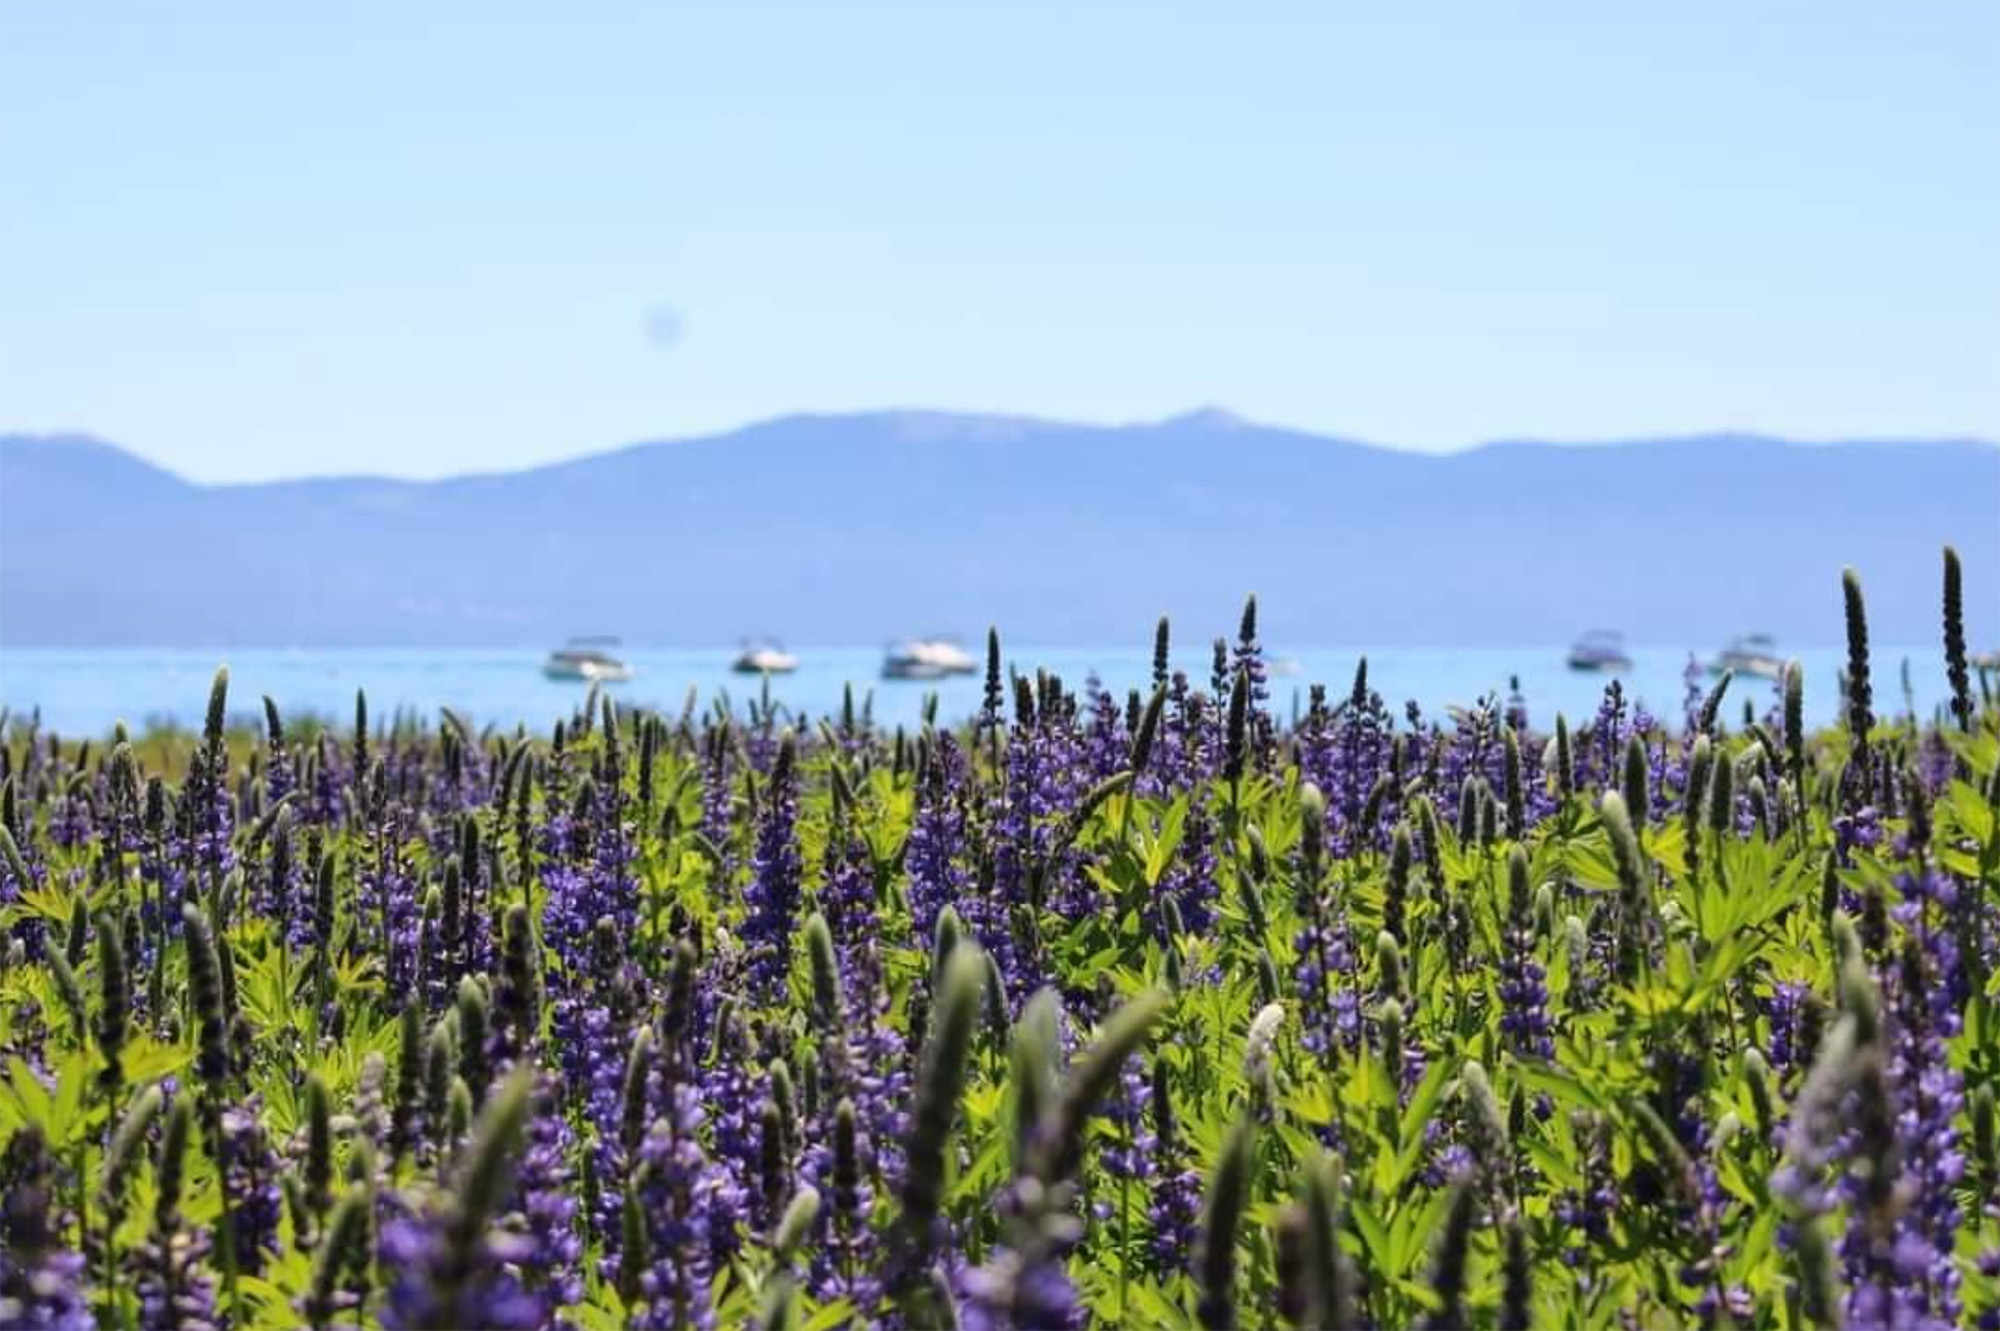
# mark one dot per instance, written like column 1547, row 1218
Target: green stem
column 1124, row 1229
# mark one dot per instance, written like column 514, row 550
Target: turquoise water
column 86, row 692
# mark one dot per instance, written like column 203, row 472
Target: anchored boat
column 589, row 660
column 1601, row 650
column 927, row 658
column 764, row 656
column 1753, row 654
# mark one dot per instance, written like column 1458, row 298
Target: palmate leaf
column 266, row 983
column 146, row 1059
column 1554, row 1161
column 1374, row 1235
column 1159, row 836
column 594, row 1315
column 58, row 1113
column 890, row 810
column 24, row 1101
column 1148, row 1305
column 1555, row 1081
column 826, row 1316
column 1411, row 1233
column 271, row 1295
column 50, row 903
column 1968, row 809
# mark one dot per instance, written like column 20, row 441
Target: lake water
column 86, row 692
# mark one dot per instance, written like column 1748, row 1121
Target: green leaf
column 1554, row 1081
column 28, row 1099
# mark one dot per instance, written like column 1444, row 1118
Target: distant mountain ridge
column 855, row 528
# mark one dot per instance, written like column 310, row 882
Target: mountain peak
column 1208, row 418
column 81, row 456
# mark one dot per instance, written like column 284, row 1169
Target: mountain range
column 849, row 529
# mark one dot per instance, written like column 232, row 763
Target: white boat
column 588, row 660
column 1753, row 655
column 1600, row 650
column 764, row 656
column 927, row 658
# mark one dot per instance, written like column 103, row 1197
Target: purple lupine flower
column 839, row 1164
column 1146, row 1153
column 1025, row 1288
column 593, row 1025
column 1929, row 906
column 864, row 1060
column 210, row 815
column 425, row 1293
column 1325, row 973
column 281, row 894
column 1045, row 779
column 684, row 1196
column 1586, row 1211
column 1175, row 1214
column 547, row 1209
column 330, row 781
column 1785, row 1011
column 173, row 1293
column 1183, row 755
column 600, row 887
column 1910, row 1274
column 1317, row 757
column 1107, row 744
column 1524, row 994
column 1247, row 659
column 774, row 890
column 41, row 1281
column 1189, row 881
column 734, row 1093
column 1936, row 763
column 718, row 800
column 1600, row 746
column 251, row 1183
column 73, row 820
column 387, row 887
column 1693, row 694
column 279, row 779
column 1363, row 740
column 1130, row 1155
column 937, row 877
column 847, row 900
column 1856, row 829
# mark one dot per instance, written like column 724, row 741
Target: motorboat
column 927, row 658
column 1600, row 650
column 764, row 656
column 1753, row 655
column 588, row 660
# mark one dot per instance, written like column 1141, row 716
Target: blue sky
column 278, row 239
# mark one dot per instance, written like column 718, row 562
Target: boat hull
column 919, row 670
column 1600, row 665
column 587, row 674
column 1757, row 667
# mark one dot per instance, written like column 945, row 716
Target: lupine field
column 1163, row 1010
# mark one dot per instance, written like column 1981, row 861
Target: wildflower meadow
column 1180, row 1009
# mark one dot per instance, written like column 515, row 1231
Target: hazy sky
column 269, row 239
